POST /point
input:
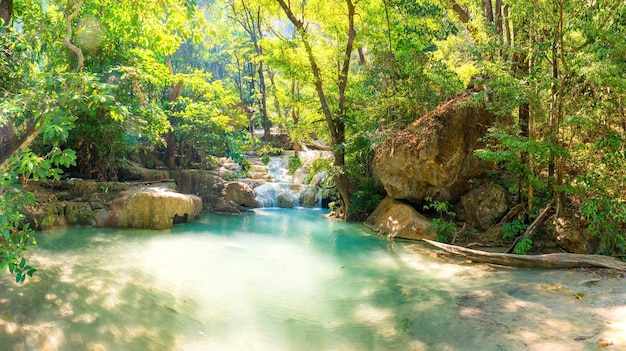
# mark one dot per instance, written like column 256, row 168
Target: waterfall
column 275, row 195
column 285, row 190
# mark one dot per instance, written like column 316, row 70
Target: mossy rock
column 79, row 213
column 152, row 208
column 45, row 216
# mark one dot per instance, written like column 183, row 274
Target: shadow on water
column 422, row 307
column 71, row 306
column 283, row 280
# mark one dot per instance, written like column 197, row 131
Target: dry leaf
column 604, row 343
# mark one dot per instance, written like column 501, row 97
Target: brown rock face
column 396, row 219
column 151, row 208
column 481, row 207
column 434, row 156
column 236, row 197
column 240, row 193
column 571, row 235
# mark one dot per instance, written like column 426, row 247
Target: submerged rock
column 150, row 208
column 434, row 156
column 397, row 219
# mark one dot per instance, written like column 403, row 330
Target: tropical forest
column 312, row 175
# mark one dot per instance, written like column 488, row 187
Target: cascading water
column 287, row 191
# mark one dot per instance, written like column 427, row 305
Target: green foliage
column 267, row 150
column 443, row 227
column 364, row 201
column 54, row 102
column 524, row 246
column 514, row 228
column 318, row 165
column 245, row 165
column 265, row 159
column 294, row 164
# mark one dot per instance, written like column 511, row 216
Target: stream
column 289, row 279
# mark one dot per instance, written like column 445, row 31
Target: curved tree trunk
column 69, row 17
column 550, row 261
column 335, row 122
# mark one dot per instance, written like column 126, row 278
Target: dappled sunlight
column 255, row 283
column 615, row 326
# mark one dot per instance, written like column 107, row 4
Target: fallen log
column 546, row 261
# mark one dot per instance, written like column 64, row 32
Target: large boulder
column 434, row 156
column 150, row 208
column 397, row 219
column 482, row 206
column 240, row 193
column 201, row 183
column 571, row 234
column 236, row 197
column 310, row 196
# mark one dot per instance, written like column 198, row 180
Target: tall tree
column 250, row 20
column 335, row 117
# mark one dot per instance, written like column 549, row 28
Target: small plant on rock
column 443, row 226
column 294, row 164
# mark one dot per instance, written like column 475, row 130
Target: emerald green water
column 288, row 279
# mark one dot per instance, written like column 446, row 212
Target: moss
column 78, row 213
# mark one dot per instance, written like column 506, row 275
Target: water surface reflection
column 289, row 280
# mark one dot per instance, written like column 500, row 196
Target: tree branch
column 68, row 36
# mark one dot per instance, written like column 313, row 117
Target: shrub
column 318, row 165
column 443, row 226
column 267, row 150
column 294, row 164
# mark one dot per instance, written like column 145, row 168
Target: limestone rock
column 434, row 156
column 240, row 193
column 151, row 208
column 201, row 183
column 481, row 207
column 310, row 196
column 236, row 197
column 134, row 171
column 397, row 219
column 45, row 216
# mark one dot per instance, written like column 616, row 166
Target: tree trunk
column 487, row 7
column 547, row 261
column 28, row 136
column 266, row 120
column 334, row 121
column 172, row 145
column 6, row 11
column 69, row 17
